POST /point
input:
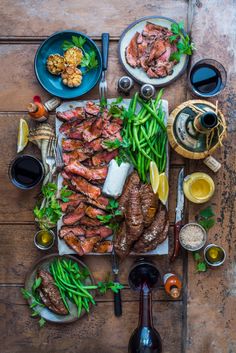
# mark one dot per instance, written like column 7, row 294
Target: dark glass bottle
column 145, row 338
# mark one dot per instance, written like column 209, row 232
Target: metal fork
column 103, row 82
column 50, row 158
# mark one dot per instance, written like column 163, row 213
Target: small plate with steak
column 54, row 309
column 145, row 52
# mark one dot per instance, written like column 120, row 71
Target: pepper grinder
column 147, row 91
column 125, row 84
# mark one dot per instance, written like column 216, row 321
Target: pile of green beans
column 146, row 132
column 70, row 280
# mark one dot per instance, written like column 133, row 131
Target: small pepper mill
column 125, row 84
column 147, row 91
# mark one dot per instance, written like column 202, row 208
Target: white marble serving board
column 63, row 249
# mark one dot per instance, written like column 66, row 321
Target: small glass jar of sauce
column 214, row 255
column 44, row 239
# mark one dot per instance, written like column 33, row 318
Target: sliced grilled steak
column 74, row 201
column 71, row 145
column 74, row 216
column 68, row 126
column 121, row 243
column 93, row 212
column 103, row 247
column 77, row 155
column 73, row 114
column 89, row 222
column 101, row 231
column 95, row 173
column 103, row 158
column 50, row 294
column 83, row 186
column 76, row 230
column 94, row 131
column 92, row 109
column 132, row 181
column 149, row 203
column 81, row 245
column 131, row 51
column 134, row 216
column 77, row 132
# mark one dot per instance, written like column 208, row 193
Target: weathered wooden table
column 203, row 320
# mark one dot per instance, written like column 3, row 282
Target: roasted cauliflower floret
column 55, row 64
column 73, row 56
column 71, row 76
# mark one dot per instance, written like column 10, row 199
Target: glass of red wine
column 143, row 277
column 25, row 172
column 207, row 78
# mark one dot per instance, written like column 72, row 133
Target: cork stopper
column 32, row 108
column 175, row 292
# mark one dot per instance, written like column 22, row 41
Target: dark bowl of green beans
column 74, row 281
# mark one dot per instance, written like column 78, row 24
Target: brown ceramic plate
column 47, row 314
column 138, row 74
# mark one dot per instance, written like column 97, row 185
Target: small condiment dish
column 196, row 226
column 39, row 244
column 221, row 260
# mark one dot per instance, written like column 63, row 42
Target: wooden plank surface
column 91, row 17
column 212, row 295
column 99, row 332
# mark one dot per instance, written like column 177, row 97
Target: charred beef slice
column 156, row 233
column 50, row 294
column 149, row 203
column 132, row 181
column 121, row 244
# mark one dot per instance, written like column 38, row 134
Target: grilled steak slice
column 83, row 186
column 68, row 126
column 89, row 222
column 92, row 109
column 102, row 158
column 74, row 216
column 103, row 247
column 94, row 131
column 77, row 132
column 132, row 181
column 78, row 155
column 95, row 145
column 149, row 203
column 101, row 202
column 101, row 231
column 93, row 212
column 121, row 243
column 81, row 245
column 156, row 233
column 76, row 230
column 157, row 49
column 95, row 173
column 50, row 294
column 110, row 129
column 71, row 145
column 134, row 216
column 74, row 201
column 73, row 114
column 131, row 51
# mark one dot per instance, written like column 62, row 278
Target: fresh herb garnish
column 201, row 265
column 35, row 300
column 110, row 220
column 184, row 44
column 205, row 218
column 103, row 287
column 89, row 59
column 50, row 211
column 122, row 145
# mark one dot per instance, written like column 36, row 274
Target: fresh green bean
column 150, row 145
column 153, row 113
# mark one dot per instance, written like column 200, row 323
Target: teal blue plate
column 53, row 84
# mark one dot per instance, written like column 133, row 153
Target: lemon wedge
column 23, row 133
column 163, row 188
column 154, row 176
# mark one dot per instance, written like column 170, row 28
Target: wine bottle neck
column 145, row 308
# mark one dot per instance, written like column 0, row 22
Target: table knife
column 117, row 296
column 179, row 212
column 103, row 82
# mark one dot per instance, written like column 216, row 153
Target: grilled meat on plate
column 103, row 158
column 102, row 231
column 75, row 216
column 93, row 212
column 71, row 145
column 95, row 173
column 94, row 131
column 80, row 245
column 92, row 109
column 149, row 203
column 103, row 247
column 73, row 114
column 132, row 181
column 89, row 222
column 50, row 294
column 83, row 186
column 77, row 155
column 76, row 230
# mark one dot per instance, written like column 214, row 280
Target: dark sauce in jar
column 26, row 172
column 206, row 79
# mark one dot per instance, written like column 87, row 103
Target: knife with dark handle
column 117, row 296
column 105, row 50
column 178, row 216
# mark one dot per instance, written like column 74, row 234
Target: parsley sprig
column 49, row 212
column 89, row 60
column 110, row 219
column 184, row 44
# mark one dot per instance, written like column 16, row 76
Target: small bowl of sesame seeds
column 192, row 236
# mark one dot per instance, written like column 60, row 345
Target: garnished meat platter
column 87, row 220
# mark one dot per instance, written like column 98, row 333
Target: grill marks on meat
column 85, row 187
column 92, row 109
column 103, row 158
column 71, row 145
column 94, row 130
column 93, row 212
column 50, row 294
column 102, row 232
column 78, row 155
column 80, row 245
column 73, row 114
column 151, row 50
column 103, row 247
column 95, row 173
column 145, row 222
column 76, row 215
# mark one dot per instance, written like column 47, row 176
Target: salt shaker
column 125, row 84
column 147, row 91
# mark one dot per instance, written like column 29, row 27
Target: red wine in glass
column 145, row 338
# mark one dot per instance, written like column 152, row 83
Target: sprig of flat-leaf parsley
column 89, row 59
column 110, row 220
column 184, row 44
column 49, row 212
